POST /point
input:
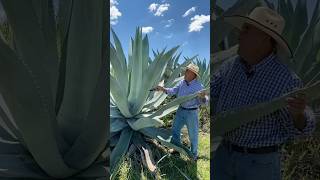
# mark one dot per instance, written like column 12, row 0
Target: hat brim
column 238, row 21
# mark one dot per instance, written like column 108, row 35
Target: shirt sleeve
column 287, row 120
column 174, row 90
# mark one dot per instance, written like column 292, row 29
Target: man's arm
column 170, row 91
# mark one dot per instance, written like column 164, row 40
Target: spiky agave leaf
column 204, row 72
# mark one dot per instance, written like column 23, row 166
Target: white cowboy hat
column 193, row 68
column 266, row 20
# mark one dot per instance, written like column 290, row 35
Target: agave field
column 137, row 113
column 303, row 37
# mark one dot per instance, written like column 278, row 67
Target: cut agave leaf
column 232, row 119
column 144, row 123
column 164, row 137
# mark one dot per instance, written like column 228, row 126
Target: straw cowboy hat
column 193, row 68
column 266, row 20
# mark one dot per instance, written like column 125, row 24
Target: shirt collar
column 257, row 67
column 191, row 82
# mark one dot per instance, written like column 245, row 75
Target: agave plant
column 134, row 109
column 306, row 45
column 52, row 106
column 174, row 70
column 204, row 72
column 172, row 64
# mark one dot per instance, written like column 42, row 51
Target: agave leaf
column 173, row 105
column 7, row 121
column 119, row 97
column 117, row 125
column 11, row 147
column 136, row 71
column 64, row 19
column 177, row 71
column 121, row 148
column 221, row 57
column 14, row 92
column 144, row 123
column 118, row 62
column 299, row 20
column 232, row 119
column 304, row 46
column 84, row 59
column 164, row 137
column 115, row 113
column 32, row 45
column 17, row 166
column 145, row 152
column 91, row 141
column 152, row 78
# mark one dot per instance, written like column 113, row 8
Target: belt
column 259, row 150
column 188, row 109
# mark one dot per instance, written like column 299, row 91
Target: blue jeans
column 190, row 119
column 232, row 165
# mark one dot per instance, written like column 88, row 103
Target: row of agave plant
column 135, row 111
column 53, row 90
column 303, row 36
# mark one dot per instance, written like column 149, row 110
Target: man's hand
column 160, row 88
column 202, row 94
column 296, row 106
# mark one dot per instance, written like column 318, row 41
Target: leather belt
column 188, row 109
column 259, row 150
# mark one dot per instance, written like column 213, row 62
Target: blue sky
column 165, row 24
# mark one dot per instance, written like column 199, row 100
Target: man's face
column 189, row 75
column 252, row 40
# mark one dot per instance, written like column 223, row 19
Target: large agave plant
column 135, row 111
column 52, row 105
column 303, row 36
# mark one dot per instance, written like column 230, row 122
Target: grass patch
column 171, row 166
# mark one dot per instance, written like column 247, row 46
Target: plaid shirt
column 233, row 87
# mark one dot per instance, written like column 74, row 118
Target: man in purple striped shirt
column 187, row 113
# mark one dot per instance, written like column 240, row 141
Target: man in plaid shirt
column 256, row 75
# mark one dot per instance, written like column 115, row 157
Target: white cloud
column 114, row 12
column 153, row 7
column 170, row 22
column 158, row 9
column 189, row 11
column 147, row 29
column 197, row 22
